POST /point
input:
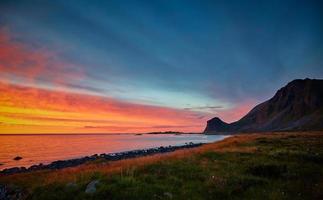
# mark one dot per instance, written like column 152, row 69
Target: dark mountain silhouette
column 297, row 106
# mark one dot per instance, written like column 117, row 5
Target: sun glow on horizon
column 43, row 111
column 36, row 97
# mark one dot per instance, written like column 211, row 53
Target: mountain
column 295, row 107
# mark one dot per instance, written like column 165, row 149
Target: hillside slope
column 297, row 106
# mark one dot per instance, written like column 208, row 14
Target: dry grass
column 85, row 171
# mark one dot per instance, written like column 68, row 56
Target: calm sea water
column 44, row 149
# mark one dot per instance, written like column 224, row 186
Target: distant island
column 167, row 132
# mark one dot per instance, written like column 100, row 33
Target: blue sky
column 207, row 56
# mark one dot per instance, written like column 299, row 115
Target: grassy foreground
column 253, row 166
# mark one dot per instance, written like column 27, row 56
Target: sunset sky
column 139, row 66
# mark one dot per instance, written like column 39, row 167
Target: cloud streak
column 34, row 109
column 205, row 108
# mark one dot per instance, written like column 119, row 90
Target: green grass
column 279, row 168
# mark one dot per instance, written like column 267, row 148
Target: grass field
column 252, row 166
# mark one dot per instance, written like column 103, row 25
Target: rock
column 109, row 157
column 91, row 187
column 168, row 195
column 18, row 158
column 71, row 185
column 3, row 192
column 12, row 192
column 11, row 170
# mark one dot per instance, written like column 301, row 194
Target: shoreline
column 247, row 166
column 60, row 164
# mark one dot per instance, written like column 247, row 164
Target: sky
column 139, row 66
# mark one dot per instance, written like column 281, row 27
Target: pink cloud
column 23, row 61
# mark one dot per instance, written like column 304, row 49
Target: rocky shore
column 109, row 157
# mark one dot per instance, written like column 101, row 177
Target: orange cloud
column 29, row 109
column 33, row 110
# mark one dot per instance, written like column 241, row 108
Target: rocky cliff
column 297, row 106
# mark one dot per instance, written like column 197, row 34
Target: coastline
column 245, row 166
column 61, row 164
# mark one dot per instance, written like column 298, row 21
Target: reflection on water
column 44, row 149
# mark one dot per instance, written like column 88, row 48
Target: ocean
column 35, row 149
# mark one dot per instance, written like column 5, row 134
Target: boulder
column 91, row 187
column 17, row 158
column 3, row 192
